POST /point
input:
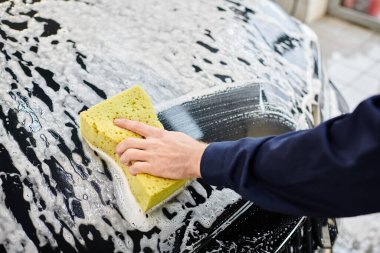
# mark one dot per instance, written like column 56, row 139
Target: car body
column 216, row 70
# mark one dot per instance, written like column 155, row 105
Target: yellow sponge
column 96, row 126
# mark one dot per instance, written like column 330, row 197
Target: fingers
column 139, row 167
column 136, row 127
column 133, row 155
column 130, row 143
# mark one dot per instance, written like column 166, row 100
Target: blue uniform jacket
column 332, row 170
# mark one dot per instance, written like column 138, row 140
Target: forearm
column 332, row 170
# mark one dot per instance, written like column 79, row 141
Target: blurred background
column 349, row 36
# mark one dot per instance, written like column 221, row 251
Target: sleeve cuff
column 212, row 164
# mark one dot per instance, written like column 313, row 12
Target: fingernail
column 117, row 121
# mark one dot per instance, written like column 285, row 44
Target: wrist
column 201, row 147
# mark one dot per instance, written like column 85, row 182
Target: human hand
column 162, row 153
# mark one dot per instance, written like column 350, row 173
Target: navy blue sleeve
column 332, row 170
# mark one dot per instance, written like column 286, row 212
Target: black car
column 216, row 70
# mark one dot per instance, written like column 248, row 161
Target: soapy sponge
column 97, row 128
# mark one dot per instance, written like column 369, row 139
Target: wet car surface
column 215, row 70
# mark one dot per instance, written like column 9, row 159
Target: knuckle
column 124, row 158
column 128, row 153
column 127, row 156
column 122, row 144
column 127, row 143
column 137, row 142
column 139, row 167
column 133, row 166
column 151, row 143
column 147, row 170
column 160, row 133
